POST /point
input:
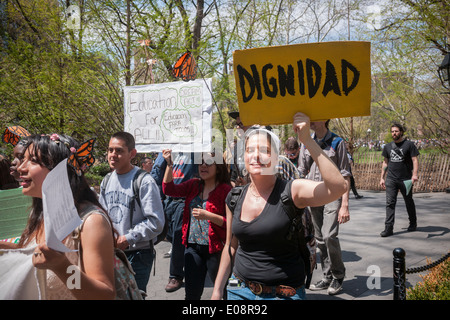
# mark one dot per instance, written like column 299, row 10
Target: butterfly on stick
column 13, row 134
column 185, row 67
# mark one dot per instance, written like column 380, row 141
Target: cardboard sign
column 174, row 115
column 323, row 80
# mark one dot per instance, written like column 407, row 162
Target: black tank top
column 264, row 254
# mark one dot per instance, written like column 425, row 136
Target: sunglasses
column 207, row 162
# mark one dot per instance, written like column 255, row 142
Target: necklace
column 256, row 196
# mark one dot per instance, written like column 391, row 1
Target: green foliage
column 51, row 83
column 96, row 174
column 101, row 169
column 55, row 79
column 93, row 179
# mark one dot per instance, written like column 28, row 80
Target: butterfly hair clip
column 82, row 159
column 13, row 134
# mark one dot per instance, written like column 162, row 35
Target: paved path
column 365, row 253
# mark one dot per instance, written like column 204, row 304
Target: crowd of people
column 240, row 241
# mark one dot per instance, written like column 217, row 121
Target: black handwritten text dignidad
column 306, row 78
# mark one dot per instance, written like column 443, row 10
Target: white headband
column 273, row 137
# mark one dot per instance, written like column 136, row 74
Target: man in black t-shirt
column 399, row 172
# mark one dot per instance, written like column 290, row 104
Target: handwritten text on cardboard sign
column 324, row 80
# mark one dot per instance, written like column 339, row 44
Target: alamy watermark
column 373, row 17
column 73, row 17
column 374, row 280
column 74, row 280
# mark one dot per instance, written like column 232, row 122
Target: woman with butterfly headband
column 97, row 238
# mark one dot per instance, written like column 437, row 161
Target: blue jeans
column 242, row 292
column 199, row 262
column 141, row 261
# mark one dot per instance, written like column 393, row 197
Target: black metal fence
column 400, row 272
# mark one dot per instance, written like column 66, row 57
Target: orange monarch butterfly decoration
column 82, row 158
column 185, row 67
column 13, row 134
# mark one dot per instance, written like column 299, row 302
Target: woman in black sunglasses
column 204, row 219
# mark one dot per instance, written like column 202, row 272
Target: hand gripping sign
column 323, row 80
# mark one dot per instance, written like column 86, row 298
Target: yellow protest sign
column 323, row 80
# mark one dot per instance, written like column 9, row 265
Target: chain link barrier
column 400, row 272
column 428, row 266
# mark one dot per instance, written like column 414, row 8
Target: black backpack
column 137, row 180
column 301, row 229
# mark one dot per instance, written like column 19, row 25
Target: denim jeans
column 141, row 261
column 198, row 262
column 242, row 292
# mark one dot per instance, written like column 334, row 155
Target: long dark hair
column 48, row 152
column 222, row 174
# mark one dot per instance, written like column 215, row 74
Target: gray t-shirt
column 148, row 218
column 335, row 151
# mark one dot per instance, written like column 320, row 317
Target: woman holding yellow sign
column 267, row 264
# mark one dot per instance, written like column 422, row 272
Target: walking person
column 183, row 169
column 399, row 173
column 42, row 154
column 204, row 221
column 264, row 262
column 138, row 221
column 352, row 180
column 327, row 217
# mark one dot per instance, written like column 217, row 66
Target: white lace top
column 55, row 289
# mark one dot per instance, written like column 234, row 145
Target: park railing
column 400, row 272
column 434, row 172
